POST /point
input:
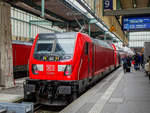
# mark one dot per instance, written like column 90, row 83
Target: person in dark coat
column 149, row 68
column 139, row 61
column 142, row 61
column 136, row 59
column 129, row 59
column 125, row 65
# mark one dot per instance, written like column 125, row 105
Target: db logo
column 50, row 67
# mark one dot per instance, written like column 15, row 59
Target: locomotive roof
column 71, row 35
column 57, row 35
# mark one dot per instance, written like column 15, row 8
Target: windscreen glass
column 44, row 46
column 61, row 47
column 65, row 46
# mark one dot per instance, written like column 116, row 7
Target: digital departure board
column 136, row 23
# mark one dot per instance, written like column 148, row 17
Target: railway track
column 38, row 108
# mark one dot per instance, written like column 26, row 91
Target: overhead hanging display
column 138, row 23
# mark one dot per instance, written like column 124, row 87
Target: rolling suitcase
column 128, row 69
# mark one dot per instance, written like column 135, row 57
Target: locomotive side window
column 86, row 48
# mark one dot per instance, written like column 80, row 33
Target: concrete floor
column 94, row 100
column 13, row 94
column 117, row 93
column 131, row 96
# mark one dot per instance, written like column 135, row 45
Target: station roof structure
column 65, row 14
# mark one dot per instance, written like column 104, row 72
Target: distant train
column 63, row 65
column 21, row 53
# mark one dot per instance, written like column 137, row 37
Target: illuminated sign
column 136, row 23
column 108, row 4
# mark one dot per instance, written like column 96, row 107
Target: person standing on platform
column 124, row 60
column 139, row 62
column 129, row 59
column 142, row 61
column 136, row 61
column 149, row 68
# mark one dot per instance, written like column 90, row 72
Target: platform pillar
column 6, row 59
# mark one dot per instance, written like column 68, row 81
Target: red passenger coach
column 62, row 65
column 21, row 53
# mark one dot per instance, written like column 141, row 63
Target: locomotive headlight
column 61, row 68
column 36, row 68
column 39, row 67
column 68, row 70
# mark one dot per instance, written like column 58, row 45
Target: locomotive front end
column 51, row 79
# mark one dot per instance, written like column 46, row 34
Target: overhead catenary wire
column 73, row 14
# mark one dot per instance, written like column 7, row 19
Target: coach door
column 90, row 58
column 93, row 56
column 87, row 61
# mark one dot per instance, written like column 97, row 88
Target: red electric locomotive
column 62, row 65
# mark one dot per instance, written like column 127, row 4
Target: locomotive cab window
column 44, row 46
column 86, row 48
column 52, row 47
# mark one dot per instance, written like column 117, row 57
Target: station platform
column 117, row 93
column 14, row 94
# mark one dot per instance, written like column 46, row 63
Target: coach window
column 86, row 48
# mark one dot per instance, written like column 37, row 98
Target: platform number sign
column 108, row 4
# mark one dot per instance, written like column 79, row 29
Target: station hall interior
column 74, row 56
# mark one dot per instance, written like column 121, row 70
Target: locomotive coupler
column 50, row 95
